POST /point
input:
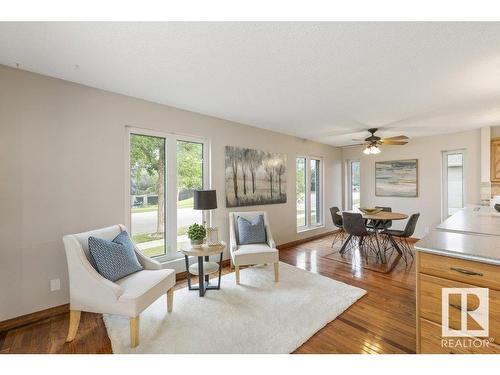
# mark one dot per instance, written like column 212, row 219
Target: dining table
column 378, row 219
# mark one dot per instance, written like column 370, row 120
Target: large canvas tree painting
column 254, row 177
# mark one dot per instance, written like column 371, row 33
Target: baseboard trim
column 34, row 317
column 315, row 237
column 303, row 240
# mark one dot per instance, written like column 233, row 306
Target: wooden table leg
column 380, row 251
column 376, row 227
column 396, row 246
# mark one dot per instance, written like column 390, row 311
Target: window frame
column 171, row 138
column 348, row 171
column 444, row 180
column 307, row 193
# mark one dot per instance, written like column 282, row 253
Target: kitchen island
column 463, row 252
column 473, row 220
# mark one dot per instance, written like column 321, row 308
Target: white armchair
column 129, row 296
column 244, row 255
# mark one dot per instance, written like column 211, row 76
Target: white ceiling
column 321, row 81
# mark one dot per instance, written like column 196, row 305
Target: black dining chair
column 339, row 234
column 399, row 238
column 357, row 232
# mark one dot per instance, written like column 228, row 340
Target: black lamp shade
column 205, row 200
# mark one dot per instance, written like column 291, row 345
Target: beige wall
column 495, row 131
column 428, row 152
column 62, row 168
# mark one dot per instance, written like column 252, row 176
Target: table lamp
column 207, row 200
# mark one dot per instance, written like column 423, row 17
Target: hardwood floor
column 383, row 321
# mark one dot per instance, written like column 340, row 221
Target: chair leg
column 237, row 271
column 276, row 272
column 338, row 235
column 406, row 249
column 134, row 331
column 170, row 299
column 74, row 322
column 409, row 247
column 334, row 239
column 401, row 246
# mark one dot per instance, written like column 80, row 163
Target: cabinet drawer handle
column 458, row 307
column 466, row 272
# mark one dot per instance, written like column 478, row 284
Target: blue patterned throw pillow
column 124, row 239
column 251, row 231
column 114, row 260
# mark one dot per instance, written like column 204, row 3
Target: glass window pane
column 455, row 182
column 189, row 178
column 147, row 198
column 355, row 192
column 300, row 181
column 315, row 192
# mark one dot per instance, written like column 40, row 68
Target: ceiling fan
column 373, row 142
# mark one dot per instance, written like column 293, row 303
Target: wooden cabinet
column 435, row 272
column 495, row 160
column 430, row 342
column 466, row 271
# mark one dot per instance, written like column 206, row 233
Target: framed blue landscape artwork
column 396, row 178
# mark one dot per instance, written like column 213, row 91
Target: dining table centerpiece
column 370, row 210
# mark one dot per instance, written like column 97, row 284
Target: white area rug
column 257, row 316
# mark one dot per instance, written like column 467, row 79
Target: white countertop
column 473, row 220
column 472, row 233
column 480, row 248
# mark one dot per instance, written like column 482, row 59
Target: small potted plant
column 196, row 234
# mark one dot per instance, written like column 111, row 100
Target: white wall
column 62, row 168
column 428, row 152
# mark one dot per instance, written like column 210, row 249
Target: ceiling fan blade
column 357, row 140
column 391, row 142
column 397, row 138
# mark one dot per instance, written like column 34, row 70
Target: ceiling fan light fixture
column 371, row 150
column 373, row 142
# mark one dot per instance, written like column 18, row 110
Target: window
column 301, row 191
column 309, row 192
column 147, row 184
column 315, row 192
column 164, row 172
column 189, row 178
column 353, row 186
column 453, row 182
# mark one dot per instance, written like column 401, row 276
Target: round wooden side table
column 204, row 267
